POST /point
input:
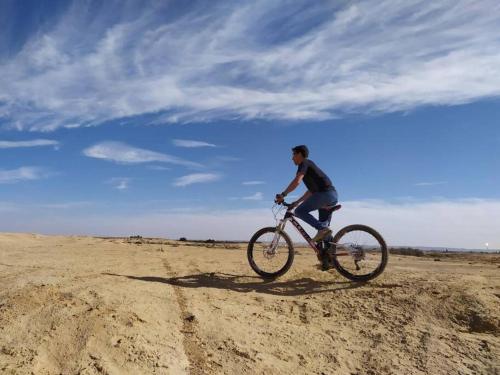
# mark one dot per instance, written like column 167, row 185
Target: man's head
column 299, row 154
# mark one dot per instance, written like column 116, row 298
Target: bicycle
column 358, row 252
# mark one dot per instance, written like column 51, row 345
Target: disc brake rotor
column 269, row 253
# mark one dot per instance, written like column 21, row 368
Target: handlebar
column 284, row 204
column 277, row 209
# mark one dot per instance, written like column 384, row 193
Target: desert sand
column 84, row 305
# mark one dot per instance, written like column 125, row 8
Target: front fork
column 279, row 228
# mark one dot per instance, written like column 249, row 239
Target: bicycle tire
column 385, row 253
column 255, row 267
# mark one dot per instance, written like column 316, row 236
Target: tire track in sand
column 191, row 341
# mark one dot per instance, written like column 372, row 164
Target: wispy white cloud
column 30, row 143
column 225, row 158
column 158, row 168
column 120, row 183
column 123, row 153
column 8, row 176
column 428, row 183
column 27, row 207
column 196, row 178
column 64, row 205
column 270, row 60
column 192, row 144
column 253, row 182
column 254, row 197
column 258, row 196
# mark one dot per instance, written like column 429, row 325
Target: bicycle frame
column 289, row 216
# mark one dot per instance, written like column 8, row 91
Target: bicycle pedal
column 325, row 261
column 322, row 268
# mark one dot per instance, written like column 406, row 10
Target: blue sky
column 177, row 119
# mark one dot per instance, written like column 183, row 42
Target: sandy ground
column 82, row 305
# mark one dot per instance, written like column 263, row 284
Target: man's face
column 297, row 158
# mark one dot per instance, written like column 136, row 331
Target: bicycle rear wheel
column 359, row 252
column 270, row 253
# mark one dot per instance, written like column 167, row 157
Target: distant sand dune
column 83, row 305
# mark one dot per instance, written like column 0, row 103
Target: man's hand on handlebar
column 279, row 198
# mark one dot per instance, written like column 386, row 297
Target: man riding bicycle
column 357, row 251
column 320, row 193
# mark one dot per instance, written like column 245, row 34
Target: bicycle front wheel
column 359, row 252
column 270, row 253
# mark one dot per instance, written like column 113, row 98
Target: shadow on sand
column 245, row 284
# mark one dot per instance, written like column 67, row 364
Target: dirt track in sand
column 82, row 305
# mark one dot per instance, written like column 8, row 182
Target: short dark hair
column 302, row 149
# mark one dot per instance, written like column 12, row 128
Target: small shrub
column 407, row 251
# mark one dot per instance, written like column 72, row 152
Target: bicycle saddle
column 332, row 208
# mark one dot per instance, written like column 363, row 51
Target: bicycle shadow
column 240, row 283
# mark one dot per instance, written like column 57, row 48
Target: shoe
column 322, row 233
column 325, row 260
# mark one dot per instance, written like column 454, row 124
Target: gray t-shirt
column 314, row 178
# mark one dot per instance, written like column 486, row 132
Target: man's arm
column 294, row 184
column 291, row 187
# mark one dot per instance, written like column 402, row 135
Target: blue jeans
column 315, row 202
